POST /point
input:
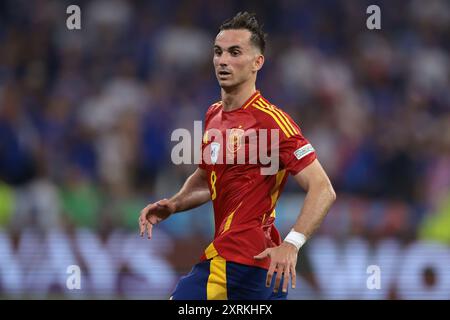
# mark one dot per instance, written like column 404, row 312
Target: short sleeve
column 296, row 153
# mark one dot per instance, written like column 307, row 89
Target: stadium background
column 86, row 118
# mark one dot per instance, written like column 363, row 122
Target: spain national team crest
column 234, row 142
column 215, row 148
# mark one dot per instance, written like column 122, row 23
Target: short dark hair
column 248, row 21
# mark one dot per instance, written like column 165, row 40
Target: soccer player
column 247, row 258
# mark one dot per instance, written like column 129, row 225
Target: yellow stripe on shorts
column 216, row 288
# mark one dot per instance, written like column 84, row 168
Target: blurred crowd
column 86, row 115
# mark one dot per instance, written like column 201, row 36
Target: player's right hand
column 153, row 214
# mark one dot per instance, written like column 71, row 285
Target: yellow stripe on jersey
column 274, row 213
column 217, row 104
column 229, row 219
column 216, row 288
column 261, row 103
column 276, row 188
column 210, row 251
column 251, row 101
column 228, row 223
column 286, row 133
column 286, row 121
column 281, row 113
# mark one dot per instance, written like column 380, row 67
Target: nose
column 223, row 60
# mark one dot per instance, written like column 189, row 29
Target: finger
column 143, row 217
column 145, row 212
column 287, row 273
column 262, row 255
column 278, row 278
column 141, row 226
column 149, row 230
column 293, row 276
column 270, row 274
column 141, row 229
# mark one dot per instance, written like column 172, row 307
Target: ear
column 258, row 62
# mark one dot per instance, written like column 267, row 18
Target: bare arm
column 320, row 196
column 194, row 193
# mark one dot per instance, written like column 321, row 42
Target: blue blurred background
column 86, row 118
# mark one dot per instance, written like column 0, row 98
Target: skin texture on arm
column 320, row 196
column 194, row 193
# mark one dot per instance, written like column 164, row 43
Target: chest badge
column 215, row 148
column 234, row 141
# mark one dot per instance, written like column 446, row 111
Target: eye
column 235, row 53
column 217, row 52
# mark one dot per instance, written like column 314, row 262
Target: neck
column 234, row 98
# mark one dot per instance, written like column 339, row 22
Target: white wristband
column 296, row 238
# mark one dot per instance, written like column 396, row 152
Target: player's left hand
column 283, row 259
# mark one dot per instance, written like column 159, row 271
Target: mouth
column 223, row 74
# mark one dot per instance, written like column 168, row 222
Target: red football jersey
column 243, row 197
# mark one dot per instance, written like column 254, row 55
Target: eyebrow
column 229, row 49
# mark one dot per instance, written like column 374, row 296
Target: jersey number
column 213, row 185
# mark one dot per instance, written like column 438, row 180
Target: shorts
column 218, row 279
